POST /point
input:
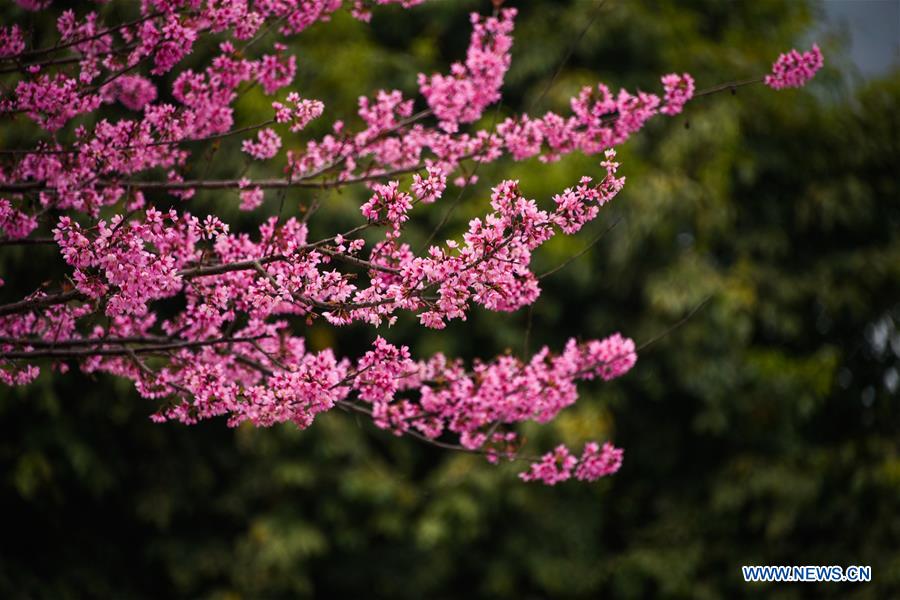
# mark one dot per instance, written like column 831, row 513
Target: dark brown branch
column 41, row 343
column 65, row 61
column 208, row 138
column 224, row 184
column 124, row 351
column 32, row 303
column 69, row 44
column 28, row 242
column 733, row 85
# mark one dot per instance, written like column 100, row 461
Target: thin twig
column 583, row 251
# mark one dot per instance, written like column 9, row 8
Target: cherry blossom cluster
column 560, row 464
column 795, row 69
column 14, row 223
column 679, row 90
column 298, row 111
column 122, row 143
column 12, row 43
column 462, row 96
column 130, row 263
column 265, row 147
column 124, row 266
column 132, row 91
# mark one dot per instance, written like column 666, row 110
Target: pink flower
column 11, row 41
column 172, row 44
column 793, row 69
column 679, row 89
column 387, row 203
column 554, row 467
column 53, row 100
column 133, row 91
column 610, row 358
column 251, row 199
column 462, row 96
column 266, row 147
column 430, row 188
column 15, row 223
column 300, row 114
column 276, row 71
column 559, row 465
column 229, row 307
column 596, row 462
column 34, row 5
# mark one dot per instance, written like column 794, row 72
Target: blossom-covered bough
column 230, row 350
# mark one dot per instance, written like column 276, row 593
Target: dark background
column 764, row 430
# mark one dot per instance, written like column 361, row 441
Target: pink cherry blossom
column 15, row 223
column 430, row 188
column 794, row 69
column 267, row 144
column 679, row 90
column 462, row 96
column 11, row 41
column 115, row 193
column 133, row 91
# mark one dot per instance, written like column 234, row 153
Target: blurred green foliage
column 763, row 430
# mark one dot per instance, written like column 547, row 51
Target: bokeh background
column 763, row 430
